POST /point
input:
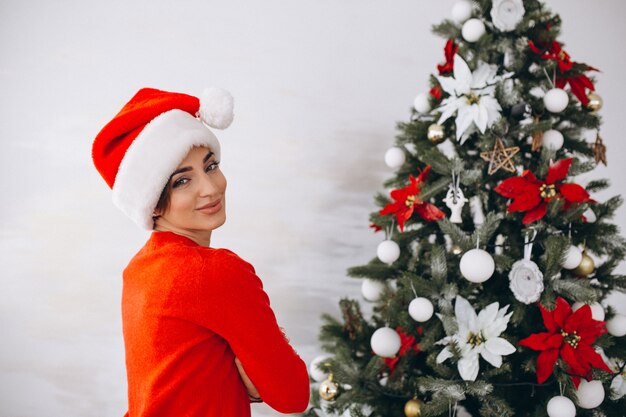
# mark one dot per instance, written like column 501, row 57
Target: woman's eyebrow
column 208, row 155
column 178, row 171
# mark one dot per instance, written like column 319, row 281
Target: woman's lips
column 211, row 208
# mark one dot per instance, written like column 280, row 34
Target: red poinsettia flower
column 406, row 342
column 579, row 84
column 450, row 49
column 569, row 336
column 435, row 92
column 532, row 195
column 407, row 201
column 554, row 51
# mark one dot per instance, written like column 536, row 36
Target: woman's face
column 196, row 190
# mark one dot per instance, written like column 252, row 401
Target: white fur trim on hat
column 152, row 158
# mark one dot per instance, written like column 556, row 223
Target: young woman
column 200, row 337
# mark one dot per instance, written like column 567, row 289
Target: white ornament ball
column 552, row 139
column 477, row 265
column 317, row 374
column 372, row 289
column 388, row 251
column 473, row 30
column 573, row 258
column 385, row 342
column 394, row 157
column 590, row 215
column 421, row 103
column 597, row 311
column 590, row 394
column 617, row 325
column 461, row 11
column 421, row 309
column 556, row 100
column 560, row 406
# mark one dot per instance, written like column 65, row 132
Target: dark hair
column 162, row 204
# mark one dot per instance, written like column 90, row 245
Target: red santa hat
column 138, row 150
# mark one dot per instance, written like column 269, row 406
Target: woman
column 199, row 333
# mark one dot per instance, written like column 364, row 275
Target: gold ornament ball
column 436, row 133
column 413, row 408
column 329, row 389
column 586, row 266
column 595, row 102
column 456, row 250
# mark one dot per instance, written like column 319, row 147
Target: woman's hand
column 253, row 394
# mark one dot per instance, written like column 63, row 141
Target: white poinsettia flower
column 477, row 335
column 471, row 97
column 506, row 14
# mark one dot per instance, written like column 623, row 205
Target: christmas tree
column 490, row 287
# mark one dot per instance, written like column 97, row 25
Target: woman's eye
column 212, row 166
column 180, row 181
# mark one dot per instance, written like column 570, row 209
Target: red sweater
column 187, row 311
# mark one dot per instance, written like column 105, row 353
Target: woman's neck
column 201, row 237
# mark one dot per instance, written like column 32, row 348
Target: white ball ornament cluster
column 556, row 100
column 590, row 394
column 395, row 157
column 597, row 311
column 561, row 406
column 477, row 265
column 552, row 139
column 388, row 251
column 617, row 325
column 473, row 30
column 461, row 11
column 421, row 103
column 385, row 342
column 573, row 258
column 421, row 309
column 372, row 290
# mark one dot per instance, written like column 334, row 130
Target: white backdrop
column 319, row 86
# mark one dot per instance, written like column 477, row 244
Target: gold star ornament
column 500, row 157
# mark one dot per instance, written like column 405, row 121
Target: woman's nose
column 209, row 185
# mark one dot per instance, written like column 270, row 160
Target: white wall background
column 319, row 86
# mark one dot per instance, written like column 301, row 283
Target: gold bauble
column 413, row 408
column 436, row 133
column 456, row 250
column 586, row 267
column 329, row 389
column 595, row 102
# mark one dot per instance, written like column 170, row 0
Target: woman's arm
column 253, row 394
column 228, row 298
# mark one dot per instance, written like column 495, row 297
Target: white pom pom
column 385, row 342
column 573, row 258
column 216, row 108
column 461, row 11
column 473, row 30
column 317, row 374
column 394, row 157
column 590, row 394
column 421, row 103
column 477, row 265
column 617, row 325
column 556, row 100
column 372, row 290
column 552, row 139
column 560, row 406
column 421, row 309
column 388, row 251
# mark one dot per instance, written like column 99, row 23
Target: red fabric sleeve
column 229, row 299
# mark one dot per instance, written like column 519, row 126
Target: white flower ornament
column 477, row 335
column 506, row 14
column 471, row 97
